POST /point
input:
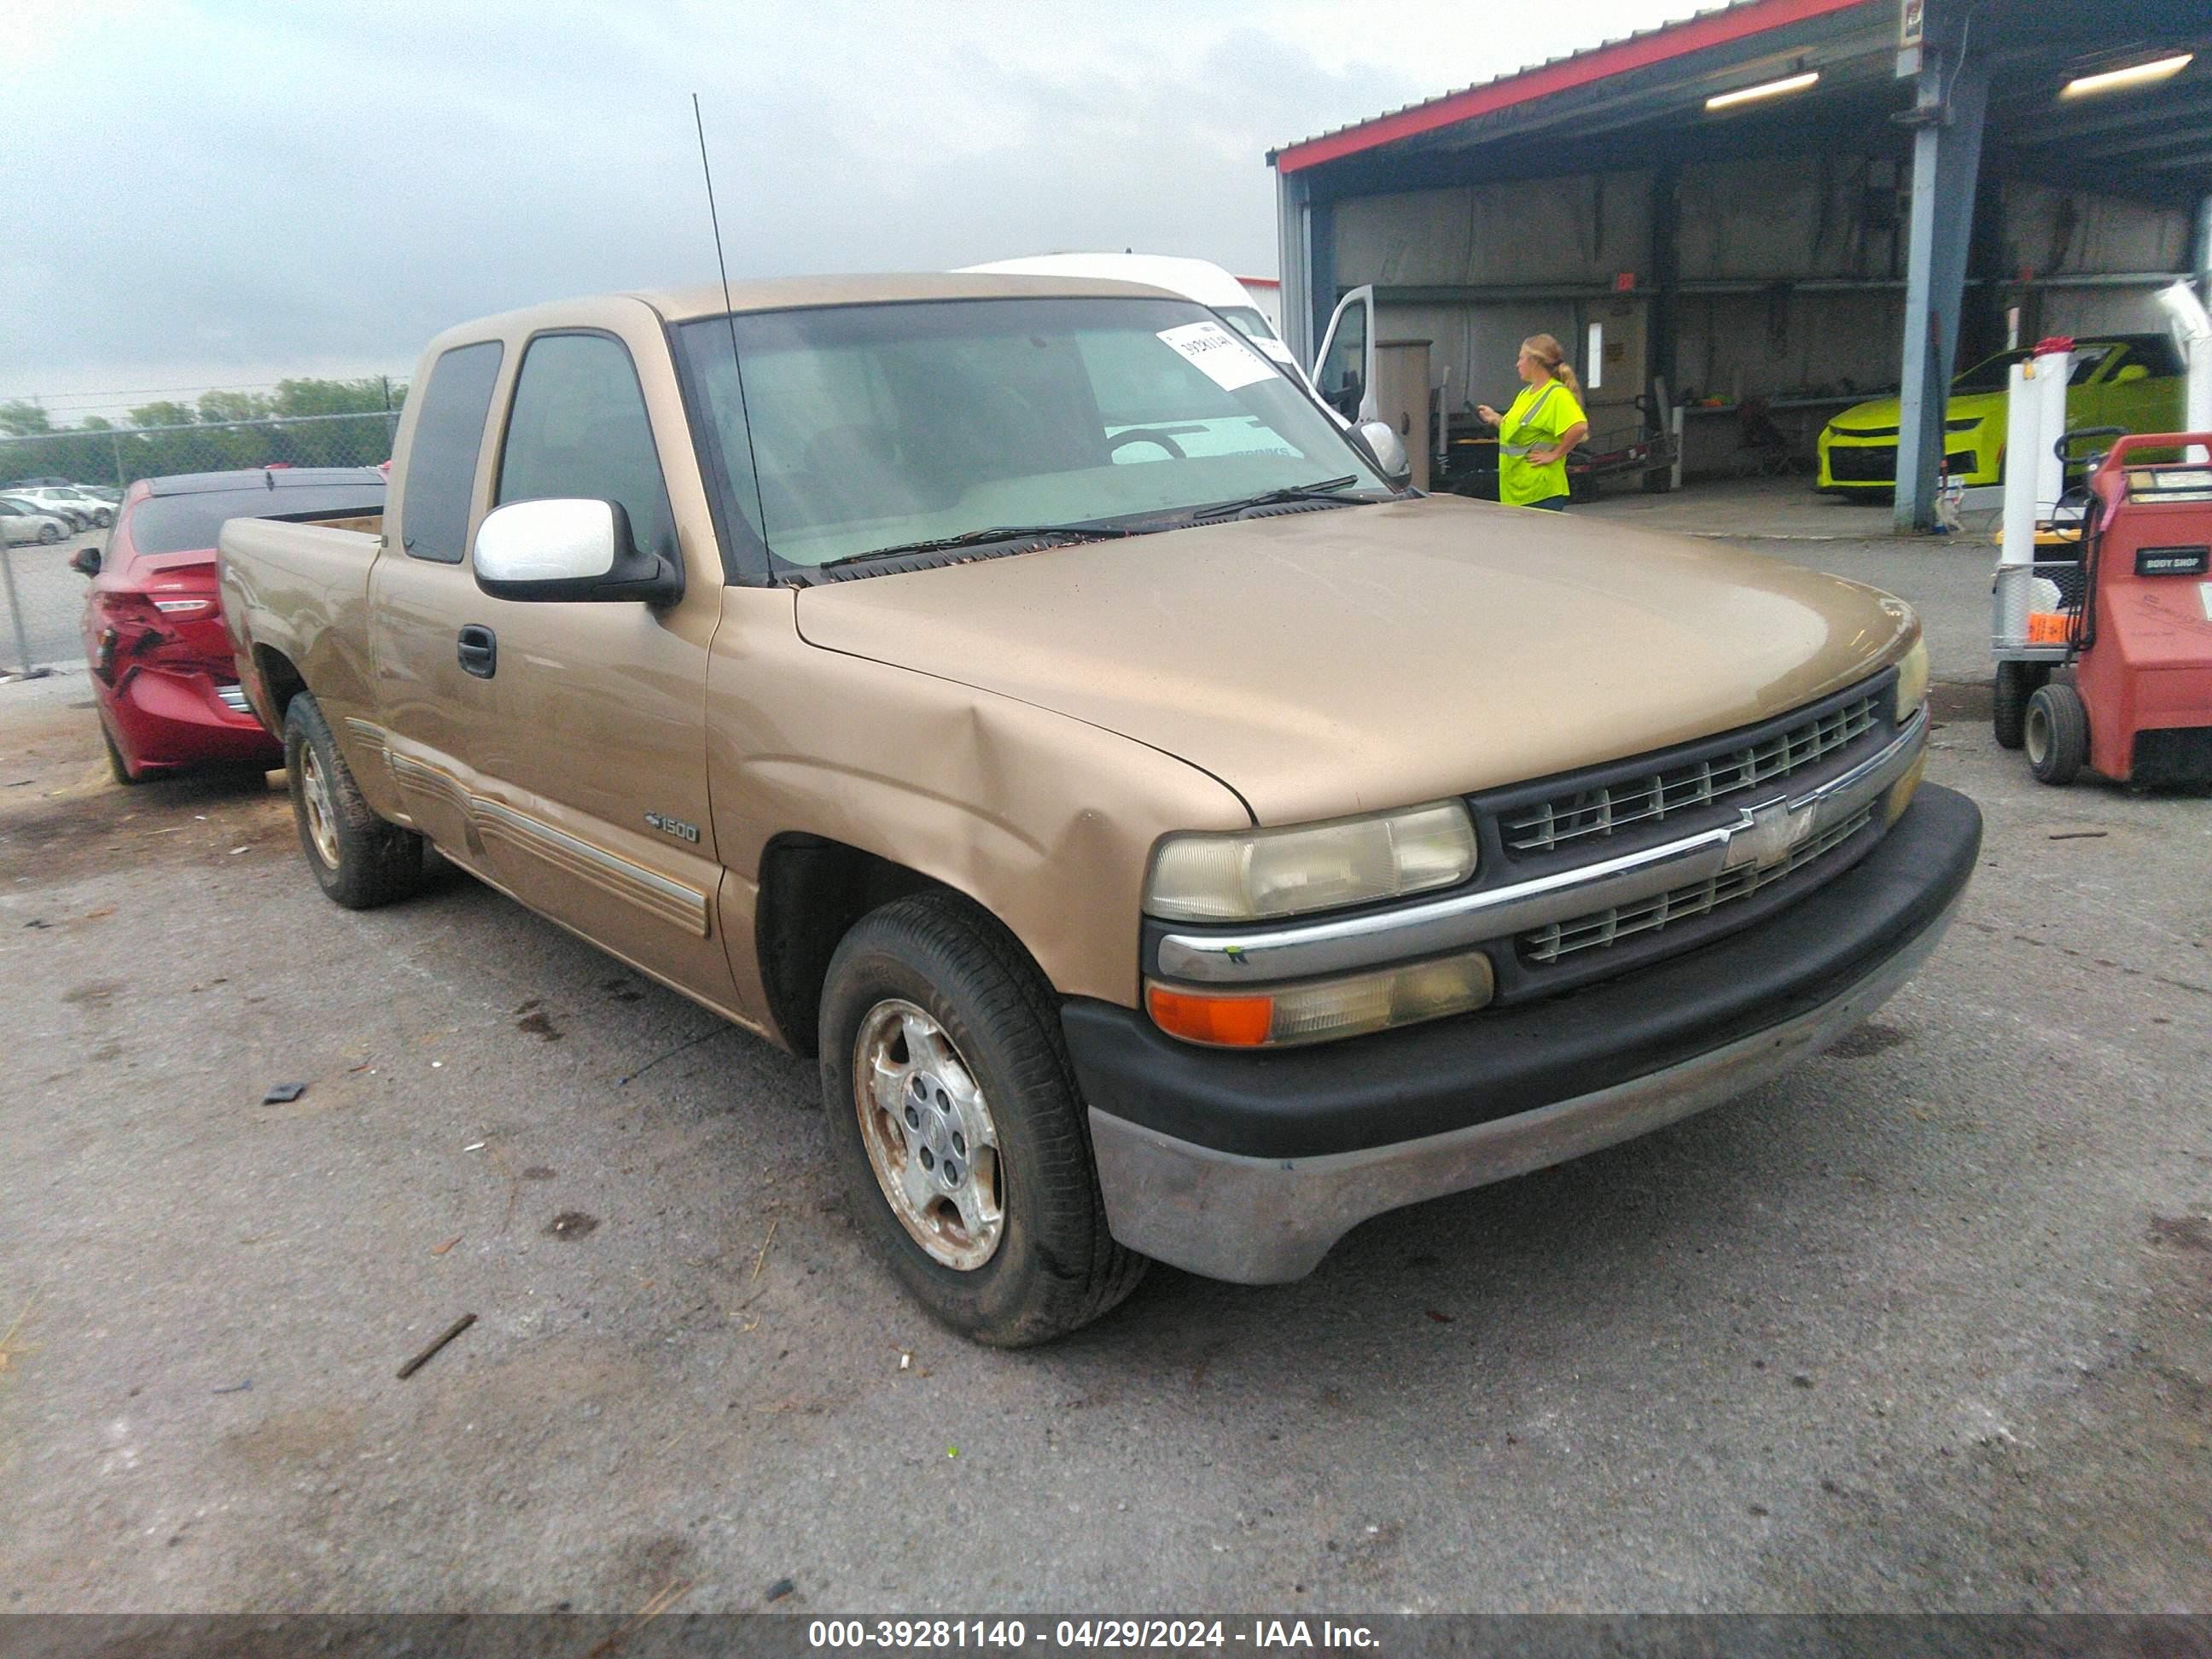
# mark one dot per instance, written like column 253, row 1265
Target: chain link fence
column 42, row 598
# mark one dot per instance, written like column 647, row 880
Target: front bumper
column 1869, row 465
column 1249, row 1167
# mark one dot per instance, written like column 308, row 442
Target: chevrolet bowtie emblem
column 1767, row 833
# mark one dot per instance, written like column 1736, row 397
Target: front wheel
column 358, row 859
column 2057, row 734
column 49, row 534
column 953, row 1109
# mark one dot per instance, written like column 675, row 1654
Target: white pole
column 2192, row 330
column 2051, row 368
column 2023, row 422
column 2016, row 546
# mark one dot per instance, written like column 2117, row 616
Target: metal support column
column 1661, row 325
column 1293, row 266
column 1321, row 273
column 2204, row 250
column 1951, row 92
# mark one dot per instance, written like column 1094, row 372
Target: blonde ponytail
column 1553, row 356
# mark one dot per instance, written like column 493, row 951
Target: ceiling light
column 2135, row 75
column 1765, row 89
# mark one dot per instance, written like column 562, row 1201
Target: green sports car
column 2132, row 381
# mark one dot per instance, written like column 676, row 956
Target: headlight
column 1912, row 680
column 1255, row 873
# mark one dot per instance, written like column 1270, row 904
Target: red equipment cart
column 2127, row 671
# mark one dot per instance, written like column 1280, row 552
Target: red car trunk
column 163, row 675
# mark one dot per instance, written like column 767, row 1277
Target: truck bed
column 286, row 583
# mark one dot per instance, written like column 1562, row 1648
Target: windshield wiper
column 1083, row 533
column 1329, row 489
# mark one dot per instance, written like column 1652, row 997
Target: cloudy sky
column 222, row 194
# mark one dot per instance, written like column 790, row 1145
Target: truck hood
column 1352, row 658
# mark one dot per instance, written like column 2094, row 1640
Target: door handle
column 478, row 648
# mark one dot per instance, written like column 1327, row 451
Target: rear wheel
column 2057, row 733
column 117, row 767
column 2016, row 683
column 49, row 534
column 953, row 1109
column 358, row 859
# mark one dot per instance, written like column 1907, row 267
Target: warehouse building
column 1745, row 221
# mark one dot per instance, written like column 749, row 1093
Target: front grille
column 1589, row 814
column 1862, row 464
column 1602, row 928
column 1864, row 431
column 233, row 699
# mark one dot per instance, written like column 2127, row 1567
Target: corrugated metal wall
column 1823, row 240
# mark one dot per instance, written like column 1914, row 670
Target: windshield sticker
column 1220, row 356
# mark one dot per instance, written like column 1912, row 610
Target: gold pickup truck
column 1176, row 839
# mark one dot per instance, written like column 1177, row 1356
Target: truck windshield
column 880, row 426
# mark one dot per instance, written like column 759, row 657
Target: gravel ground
column 1923, row 1325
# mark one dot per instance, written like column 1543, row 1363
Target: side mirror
column 2131, row 372
column 568, row 548
column 1388, row 451
column 85, row 561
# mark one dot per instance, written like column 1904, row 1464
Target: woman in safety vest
column 1545, row 423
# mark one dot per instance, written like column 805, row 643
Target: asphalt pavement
column 1923, row 1325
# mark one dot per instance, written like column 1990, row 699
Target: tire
column 358, row 859
column 117, row 767
column 2016, row 683
column 101, row 520
column 1659, row 480
column 1049, row 1265
column 49, row 534
column 2057, row 733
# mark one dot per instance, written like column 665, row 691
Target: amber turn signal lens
column 1317, row 1010
column 1231, row 1022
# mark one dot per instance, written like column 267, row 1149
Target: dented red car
column 163, row 677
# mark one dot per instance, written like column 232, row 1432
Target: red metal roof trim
column 1714, row 28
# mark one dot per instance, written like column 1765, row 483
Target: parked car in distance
column 163, row 679
column 20, row 521
column 1170, row 853
column 2131, row 381
column 70, row 501
column 74, row 518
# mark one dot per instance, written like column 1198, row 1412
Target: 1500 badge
column 675, row 827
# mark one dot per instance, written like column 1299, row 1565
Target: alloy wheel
column 929, row 1135
column 322, row 819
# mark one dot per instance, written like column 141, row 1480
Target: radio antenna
column 729, row 310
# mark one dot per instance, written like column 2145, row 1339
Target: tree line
column 219, row 431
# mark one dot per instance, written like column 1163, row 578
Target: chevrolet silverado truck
column 1175, row 839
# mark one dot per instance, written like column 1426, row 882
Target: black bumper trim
column 1428, row 1079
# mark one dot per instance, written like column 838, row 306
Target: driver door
column 1344, row 368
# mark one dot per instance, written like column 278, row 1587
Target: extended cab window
column 441, row 456
column 578, row 429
